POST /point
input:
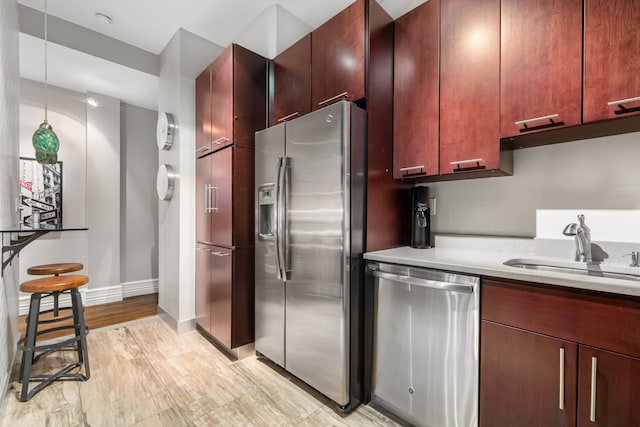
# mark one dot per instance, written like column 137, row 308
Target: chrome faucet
column 582, row 236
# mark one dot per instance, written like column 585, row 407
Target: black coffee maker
column 420, row 218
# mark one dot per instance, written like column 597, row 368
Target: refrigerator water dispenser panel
column 266, row 211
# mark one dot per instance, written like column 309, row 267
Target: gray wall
column 599, row 173
column 138, row 200
column 9, row 117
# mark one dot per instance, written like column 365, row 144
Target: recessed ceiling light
column 105, row 19
column 92, row 102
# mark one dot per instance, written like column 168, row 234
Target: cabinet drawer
column 597, row 319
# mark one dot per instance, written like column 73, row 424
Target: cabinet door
column 292, row 81
column 203, row 199
column 249, row 96
column 203, row 112
column 541, row 65
column 337, row 57
column 469, row 85
column 222, row 99
column 617, row 387
column 203, row 287
column 611, row 59
column 221, row 193
column 526, row 379
column 416, row 87
column 221, row 293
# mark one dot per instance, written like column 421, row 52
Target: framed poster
column 40, row 193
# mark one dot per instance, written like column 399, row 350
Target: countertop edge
column 489, row 264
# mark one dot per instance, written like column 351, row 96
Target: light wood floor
column 144, row 374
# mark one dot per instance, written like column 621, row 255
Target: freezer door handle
column 278, row 214
column 286, row 183
column 433, row 284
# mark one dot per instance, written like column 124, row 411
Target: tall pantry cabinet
column 230, row 108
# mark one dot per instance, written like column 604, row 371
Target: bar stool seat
column 55, row 269
column 53, row 286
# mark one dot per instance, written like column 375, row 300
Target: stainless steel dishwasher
column 425, row 345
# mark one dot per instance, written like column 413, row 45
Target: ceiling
column 150, row 25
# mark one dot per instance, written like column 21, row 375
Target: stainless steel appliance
column 426, row 345
column 310, row 200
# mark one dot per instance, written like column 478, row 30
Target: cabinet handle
column 623, row 101
column 206, row 198
column 290, row 116
column 202, row 149
column 457, row 163
column 561, row 402
column 220, row 253
column 536, row 119
column 594, row 371
column 202, row 250
column 542, row 126
column 622, row 109
column 214, row 205
column 340, row 95
column 410, row 168
column 220, row 140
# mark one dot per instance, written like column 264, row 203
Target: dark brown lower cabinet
column 221, row 294
column 203, row 286
column 554, row 356
column 527, row 379
column 224, row 294
column 616, row 379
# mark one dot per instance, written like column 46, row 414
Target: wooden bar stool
column 41, row 288
column 55, row 269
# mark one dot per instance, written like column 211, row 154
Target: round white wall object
column 165, row 182
column 165, row 131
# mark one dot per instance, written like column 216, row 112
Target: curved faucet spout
column 582, row 235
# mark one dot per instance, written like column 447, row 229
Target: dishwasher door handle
column 433, row 284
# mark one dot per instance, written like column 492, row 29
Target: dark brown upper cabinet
column 292, row 81
column 416, row 92
column 540, row 65
column 611, row 59
column 470, row 89
column 338, row 57
column 203, row 112
column 231, row 107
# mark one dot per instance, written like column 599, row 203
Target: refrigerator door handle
column 278, row 214
column 286, row 190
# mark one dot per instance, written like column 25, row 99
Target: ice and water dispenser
column 266, row 211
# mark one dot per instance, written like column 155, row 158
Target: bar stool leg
column 30, row 342
column 80, row 330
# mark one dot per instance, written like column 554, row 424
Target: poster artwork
column 40, row 194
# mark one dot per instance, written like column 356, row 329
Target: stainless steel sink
column 593, row 269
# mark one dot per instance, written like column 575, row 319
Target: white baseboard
column 140, row 287
column 89, row 297
column 180, row 327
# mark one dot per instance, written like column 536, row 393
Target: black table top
column 43, row 228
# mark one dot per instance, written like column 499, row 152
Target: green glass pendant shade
column 45, row 141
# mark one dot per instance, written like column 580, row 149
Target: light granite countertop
column 486, row 257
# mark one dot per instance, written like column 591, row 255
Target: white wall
column 103, row 191
column 179, row 65
column 90, row 151
column 67, row 116
column 138, row 200
column 9, row 116
column 599, row 173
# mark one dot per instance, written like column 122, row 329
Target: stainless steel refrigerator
column 310, row 213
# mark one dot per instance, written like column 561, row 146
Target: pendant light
column 44, row 140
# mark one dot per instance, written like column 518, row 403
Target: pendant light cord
column 45, row 61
